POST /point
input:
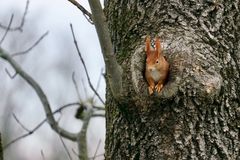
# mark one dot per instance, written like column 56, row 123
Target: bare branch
column 19, row 28
column 24, row 135
column 31, row 47
column 42, row 96
column 98, row 115
column 6, row 32
column 99, row 108
column 75, row 153
column 113, row 69
column 99, row 80
column 11, row 76
column 84, row 88
column 42, row 154
column 92, row 158
column 65, row 147
column 39, row 125
column 86, row 14
column 66, row 106
column 76, row 86
column 17, row 120
column 84, row 65
column 82, row 136
column 95, row 154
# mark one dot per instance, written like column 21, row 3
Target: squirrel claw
column 158, row 87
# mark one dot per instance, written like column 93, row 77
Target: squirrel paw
column 150, row 89
column 158, row 87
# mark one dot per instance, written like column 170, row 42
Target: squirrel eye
column 157, row 61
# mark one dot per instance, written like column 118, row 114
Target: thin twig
column 99, row 108
column 11, row 76
column 42, row 154
column 84, row 88
column 99, row 80
column 40, row 124
column 91, row 158
column 66, row 106
column 98, row 115
column 76, row 86
column 84, row 65
column 6, row 32
column 65, row 147
column 95, row 154
column 86, row 14
column 25, row 135
column 75, row 153
column 31, row 47
column 17, row 120
column 19, row 28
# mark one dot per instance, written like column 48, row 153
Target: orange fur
column 156, row 66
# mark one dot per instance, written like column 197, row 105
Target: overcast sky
column 51, row 63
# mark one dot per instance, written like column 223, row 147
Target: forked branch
column 20, row 27
column 86, row 14
column 51, row 120
column 29, row 132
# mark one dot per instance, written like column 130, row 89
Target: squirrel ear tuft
column 158, row 46
column 148, row 45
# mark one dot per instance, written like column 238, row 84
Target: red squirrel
column 156, row 66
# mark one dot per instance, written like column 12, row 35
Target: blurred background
column 51, row 63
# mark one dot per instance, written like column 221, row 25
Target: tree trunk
column 197, row 114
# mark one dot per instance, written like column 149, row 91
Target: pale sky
column 51, row 64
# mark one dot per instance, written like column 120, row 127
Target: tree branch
column 18, row 121
column 31, row 47
column 7, row 29
column 11, row 76
column 51, row 120
column 29, row 132
column 114, row 70
column 42, row 154
column 99, row 108
column 65, row 147
column 98, row 83
column 25, row 135
column 86, row 14
column 82, row 136
column 19, row 28
column 98, row 115
column 76, row 86
column 84, row 65
column 95, row 154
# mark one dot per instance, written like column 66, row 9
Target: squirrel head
column 153, row 55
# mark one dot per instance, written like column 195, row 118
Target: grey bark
column 197, row 114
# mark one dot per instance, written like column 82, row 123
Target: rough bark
column 197, row 114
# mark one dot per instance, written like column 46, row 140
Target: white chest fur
column 155, row 75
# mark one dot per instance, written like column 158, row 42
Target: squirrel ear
column 158, row 46
column 148, row 45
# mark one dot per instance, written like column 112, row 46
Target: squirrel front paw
column 150, row 89
column 158, row 87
